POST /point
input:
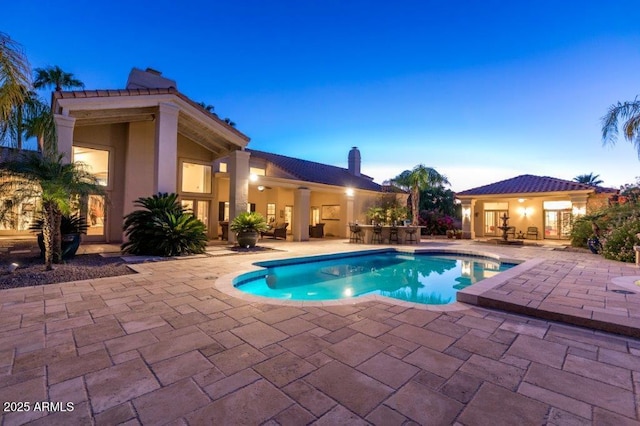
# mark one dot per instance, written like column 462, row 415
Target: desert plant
column 248, row 221
column 163, row 228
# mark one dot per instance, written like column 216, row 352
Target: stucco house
column 532, row 203
column 150, row 138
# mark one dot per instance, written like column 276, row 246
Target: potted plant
column 247, row 227
column 71, row 229
column 450, row 233
column 458, row 233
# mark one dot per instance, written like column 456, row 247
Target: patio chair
column 279, row 230
column 532, row 231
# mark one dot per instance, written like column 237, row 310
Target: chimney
column 149, row 79
column 354, row 161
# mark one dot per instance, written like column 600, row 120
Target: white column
column 301, row 211
column 349, row 214
column 166, row 148
column 64, row 133
column 238, row 169
column 468, row 222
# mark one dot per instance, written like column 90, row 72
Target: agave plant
column 163, row 228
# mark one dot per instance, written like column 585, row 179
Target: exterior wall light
column 350, row 192
column 466, row 212
column 253, row 177
column 260, row 188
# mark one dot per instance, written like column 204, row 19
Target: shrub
column 163, row 228
column 436, row 223
column 619, row 241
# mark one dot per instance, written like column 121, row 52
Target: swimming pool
column 427, row 278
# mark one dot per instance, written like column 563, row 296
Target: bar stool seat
column 410, row 234
column 356, row 233
column 393, row 235
column 377, row 235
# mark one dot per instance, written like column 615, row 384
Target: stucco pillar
column 238, row 168
column 166, row 148
column 64, row 133
column 301, row 209
column 349, row 214
column 468, row 219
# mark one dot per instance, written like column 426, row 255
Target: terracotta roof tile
column 310, row 171
column 525, row 184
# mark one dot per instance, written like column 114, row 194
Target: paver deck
column 167, row 347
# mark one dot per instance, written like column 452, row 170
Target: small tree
column 57, row 184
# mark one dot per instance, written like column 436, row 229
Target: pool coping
column 225, row 282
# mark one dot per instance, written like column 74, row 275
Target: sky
column 479, row 90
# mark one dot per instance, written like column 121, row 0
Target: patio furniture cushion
column 279, row 230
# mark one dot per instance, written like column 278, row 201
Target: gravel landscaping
column 31, row 272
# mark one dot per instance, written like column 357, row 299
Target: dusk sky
column 480, row 90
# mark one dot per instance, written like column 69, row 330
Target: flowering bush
column 619, row 241
column 436, row 223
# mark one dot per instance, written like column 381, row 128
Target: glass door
column 288, row 217
column 557, row 224
column 96, row 217
column 492, row 221
column 199, row 208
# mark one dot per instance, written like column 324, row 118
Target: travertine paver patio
column 167, row 347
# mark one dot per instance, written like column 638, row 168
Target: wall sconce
column 524, row 211
column 579, row 211
column 253, row 177
column 260, row 188
column 350, row 192
column 466, row 213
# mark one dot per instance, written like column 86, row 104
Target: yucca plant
column 163, row 228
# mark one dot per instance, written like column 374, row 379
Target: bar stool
column 410, row 236
column 377, row 235
column 356, row 233
column 393, row 235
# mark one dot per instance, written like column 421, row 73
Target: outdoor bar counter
column 367, row 231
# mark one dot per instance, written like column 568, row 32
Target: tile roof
column 310, row 171
column 525, row 184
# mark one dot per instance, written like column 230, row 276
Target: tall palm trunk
column 415, row 205
column 48, row 227
column 57, row 237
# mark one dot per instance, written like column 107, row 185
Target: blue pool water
column 422, row 277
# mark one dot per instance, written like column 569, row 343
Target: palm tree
column 15, row 78
column 416, row 180
column 54, row 76
column 588, row 179
column 31, row 118
column 56, row 183
column 628, row 111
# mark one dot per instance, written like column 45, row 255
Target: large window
column 96, row 161
column 271, row 213
column 196, row 178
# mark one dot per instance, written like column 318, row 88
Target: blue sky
column 479, row 90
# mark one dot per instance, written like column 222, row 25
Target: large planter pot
column 247, row 238
column 70, row 245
